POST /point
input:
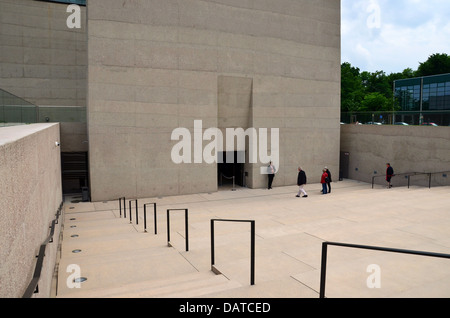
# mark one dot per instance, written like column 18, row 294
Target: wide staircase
column 119, row 258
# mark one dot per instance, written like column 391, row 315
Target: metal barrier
column 376, row 248
column 154, row 216
column 185, row 224
column 252, row 246
column 412, row 174
column 136, row 205
column 229, row 178
column 124, row 207
column 33, row 286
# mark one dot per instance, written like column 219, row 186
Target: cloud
column 393, row 35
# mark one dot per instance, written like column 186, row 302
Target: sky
column 392, row 35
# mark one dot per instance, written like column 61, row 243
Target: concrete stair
column 120, row 260
column 177, row 286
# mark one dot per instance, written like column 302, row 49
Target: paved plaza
column 120, row 259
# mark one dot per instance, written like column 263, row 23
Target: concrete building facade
column 155, row 66
column 144, row 68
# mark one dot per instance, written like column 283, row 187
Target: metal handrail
column 124, row 207
column 411, row 174
column 429, row 176
column 367, row 247
column 129, row 206
column 154, row 216
column 252, row 246
column 33, row 285
column 185, row 226
column 394, row 175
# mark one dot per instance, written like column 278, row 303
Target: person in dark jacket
column 389, row 174
column 323, row 181
column 329, row 179
column 271, row 174
column 301, row 181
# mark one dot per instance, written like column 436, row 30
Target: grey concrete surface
column 119, row 259
column 228, row 63
column 30, row 195
column 406, row 148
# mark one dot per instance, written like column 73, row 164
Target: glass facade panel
column 434, row 95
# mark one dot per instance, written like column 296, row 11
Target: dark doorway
column 74, row 170
column 344, row 165
column 226, row 171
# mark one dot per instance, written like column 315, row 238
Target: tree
column 376, row 102
column 366, row 91
column 377, row 82
column 436, row 64
column 352, row 90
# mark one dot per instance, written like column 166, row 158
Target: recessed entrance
column 75, row 174
column 227, row 170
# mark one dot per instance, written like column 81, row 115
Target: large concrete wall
column 30, row 183
column 406, row 148
column 42, row 60
column 157, row 65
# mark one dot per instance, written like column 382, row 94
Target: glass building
column 429, row 95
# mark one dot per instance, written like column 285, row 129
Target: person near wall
column 323, row 181
column 329, row 179
column 271, row 174
column 389, row 174
column 301, row 181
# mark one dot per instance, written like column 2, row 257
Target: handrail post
column 124, row 208
column 129, row 205
column 154, row 216
column 373, row 179
column 137, row 216
column 212, row 243
column 252, row 246
column 145, row 219
column 252, row 254
column 168, row 227
column 186, row 228
column 323, row 270
column 186, row 225
column 429, row 181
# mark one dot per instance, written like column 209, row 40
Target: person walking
column 301, row 181
column 323, row 180
column 329, row 179
column 389, row 175
column 271, row 174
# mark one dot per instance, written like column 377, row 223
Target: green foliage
column 436, row 64
column 366, row 91
column 375, row 102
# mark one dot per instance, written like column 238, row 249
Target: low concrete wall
column 407, row 148
column 31, row 192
